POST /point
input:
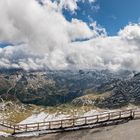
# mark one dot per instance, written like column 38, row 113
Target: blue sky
column 4, row 44
column 112, row 14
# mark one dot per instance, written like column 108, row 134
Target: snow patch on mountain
column 44, row 117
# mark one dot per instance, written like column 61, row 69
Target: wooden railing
column 7, row 124
column 78, row 122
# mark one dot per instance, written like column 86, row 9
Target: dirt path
column 126, row 131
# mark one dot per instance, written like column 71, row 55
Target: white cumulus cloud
column 48, row 40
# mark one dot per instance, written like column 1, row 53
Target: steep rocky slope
column 123, row 93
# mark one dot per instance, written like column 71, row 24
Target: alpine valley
column 23, row 93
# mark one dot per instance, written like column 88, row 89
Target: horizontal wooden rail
column 71, row 122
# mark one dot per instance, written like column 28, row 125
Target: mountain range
column 101, row 88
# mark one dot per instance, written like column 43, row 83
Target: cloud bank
column 48, row 41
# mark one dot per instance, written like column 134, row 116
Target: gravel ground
column 126, row 131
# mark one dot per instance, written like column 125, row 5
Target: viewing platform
column 98, row 120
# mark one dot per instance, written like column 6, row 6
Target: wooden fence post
column 49, row 125
column 133, row 114
column 26, row 128
column 38, row 126
column 120, row 114
column 61, row 123
column 85, row 120
column 108, row 116
column 14, row 130
column 73, row 122
column 10, row 124
column 97, row 118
